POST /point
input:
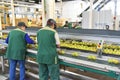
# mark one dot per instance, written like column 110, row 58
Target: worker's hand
column 35, row 42
column 58, row 45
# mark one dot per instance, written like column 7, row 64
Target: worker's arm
column 6, row 41
column 28, row 39
column 57, row 40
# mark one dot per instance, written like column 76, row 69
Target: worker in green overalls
column 16, row 51
column 68, row 25
column 47, row 57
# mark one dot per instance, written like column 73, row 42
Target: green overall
column 17, row 45
column 70, row 25
column 47, row 56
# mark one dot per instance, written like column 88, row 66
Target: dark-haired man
column 47, row 56
column 16, row 51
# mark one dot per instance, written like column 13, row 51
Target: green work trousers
column 46, row 70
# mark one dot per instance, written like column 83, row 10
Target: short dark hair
column 20, row 24
column 50, row 22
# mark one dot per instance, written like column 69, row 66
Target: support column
column 43, row 13
column 115, row 16
column 13, row 13
column 90, row 15
column 61, row 3
column 48, row 7
column 25, row 10
column 5, row 15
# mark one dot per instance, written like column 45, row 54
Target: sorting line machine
column 100, row 66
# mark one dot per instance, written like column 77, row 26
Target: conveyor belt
column 92, row 37
column 84, row 56
column 111, row 39
column 94, row 65
column 29, row 32
column 80, row 61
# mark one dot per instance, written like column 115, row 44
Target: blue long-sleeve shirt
column 27, row 38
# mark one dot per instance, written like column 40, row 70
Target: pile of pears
column 80, row 45
column 90, row 46
column 4, row 36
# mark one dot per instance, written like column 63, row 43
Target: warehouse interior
column 89, row 32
